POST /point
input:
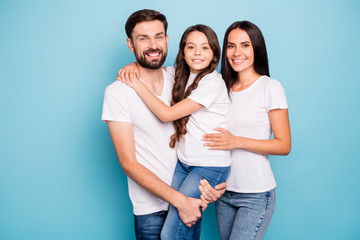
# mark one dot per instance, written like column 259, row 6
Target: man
column 141, row 140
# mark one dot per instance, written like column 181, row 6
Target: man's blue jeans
column 148, row 227
column 186, row 180
column 245, row 216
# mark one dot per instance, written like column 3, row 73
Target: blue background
column 59, row 174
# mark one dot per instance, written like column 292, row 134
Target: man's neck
column 153, row 79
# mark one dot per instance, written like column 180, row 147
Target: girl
column 258, row 107
column 199, row 104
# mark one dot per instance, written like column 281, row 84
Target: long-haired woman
column 258, row 108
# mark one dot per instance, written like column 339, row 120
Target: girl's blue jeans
column 186, row 180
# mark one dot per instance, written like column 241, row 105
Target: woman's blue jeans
column 186, row 180
column 244, row 216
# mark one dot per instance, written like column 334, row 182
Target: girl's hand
column 221, row 141
column 128, row 73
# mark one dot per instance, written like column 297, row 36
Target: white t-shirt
column 248, row 117
column 152, row 137
column 212, row 94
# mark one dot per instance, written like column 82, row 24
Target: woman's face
column 240, row 52
column 197, row 52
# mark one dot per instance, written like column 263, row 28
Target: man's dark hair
column 142, row 16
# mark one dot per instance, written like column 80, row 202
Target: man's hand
column 208, row 193
column 189, row 210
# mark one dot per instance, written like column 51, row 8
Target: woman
column 258, row 107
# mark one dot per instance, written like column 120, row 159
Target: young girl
column 258, row 107
column 199, row 104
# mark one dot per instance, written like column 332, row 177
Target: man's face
column 149, row 43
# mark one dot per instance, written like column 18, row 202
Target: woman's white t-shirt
column 248, row 117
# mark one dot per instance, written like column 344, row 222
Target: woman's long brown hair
column 182, row 73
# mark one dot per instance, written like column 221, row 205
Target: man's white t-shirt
column 152, row 137
column 212, row 94
column 248, row 117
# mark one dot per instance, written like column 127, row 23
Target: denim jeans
column 148, row 227
column 245, row 215
column 186, row 180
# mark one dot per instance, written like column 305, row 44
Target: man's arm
column 122, row 136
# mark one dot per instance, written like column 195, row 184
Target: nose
column 153, row 44
column 197, row 52
column 237, row 51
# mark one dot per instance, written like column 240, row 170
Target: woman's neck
column 245, row 79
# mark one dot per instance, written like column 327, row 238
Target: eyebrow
column 145, row 35
column 201, row 43
column 240, row 43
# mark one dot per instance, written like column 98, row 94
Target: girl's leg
column 174, row 227
column 253, row 215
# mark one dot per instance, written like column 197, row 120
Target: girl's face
column 197, row 52
column 240, row 52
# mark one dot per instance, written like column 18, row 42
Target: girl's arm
column 160, row 109
column 279, row 145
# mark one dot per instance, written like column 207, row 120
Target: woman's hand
column 221, row 141
column 128, row 73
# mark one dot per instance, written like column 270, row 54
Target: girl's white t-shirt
column 212, row 94
column 248, row 117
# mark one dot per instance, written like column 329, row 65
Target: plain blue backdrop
column 59, row 174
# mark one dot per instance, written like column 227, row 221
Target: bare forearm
column 266, row 147
column 149, row 181
column 160, row 109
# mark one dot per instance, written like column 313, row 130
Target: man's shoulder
column 117, row 87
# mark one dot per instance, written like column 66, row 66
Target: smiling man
column 140, row 139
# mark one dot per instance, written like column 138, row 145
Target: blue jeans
column 148, row 227
column 245, row 215
column 186, row 180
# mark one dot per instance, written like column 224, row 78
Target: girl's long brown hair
column 182, row 72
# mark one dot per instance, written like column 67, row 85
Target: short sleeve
column 115, row 107
column 208, row 90
column 275, row 97
column 171, row 71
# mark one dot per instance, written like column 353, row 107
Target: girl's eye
column 190, row 47
column 205, row 48
column 230, row 46
column 246, row 45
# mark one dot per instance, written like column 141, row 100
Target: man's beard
column 155, row 64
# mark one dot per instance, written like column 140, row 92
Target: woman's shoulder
column 268, row 81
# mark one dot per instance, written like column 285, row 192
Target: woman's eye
column 230, row 46
column 246, row 45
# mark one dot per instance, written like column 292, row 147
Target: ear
column 167, row 39
column 130, row 44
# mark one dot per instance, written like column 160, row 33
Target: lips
column 238, row 61
column 197, row 60
column 153, row 53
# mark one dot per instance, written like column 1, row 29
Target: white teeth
column 238, row 61
column 153, row 54
column 197, row 61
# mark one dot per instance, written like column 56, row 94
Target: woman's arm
column 279, row 145
column 159, row 108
